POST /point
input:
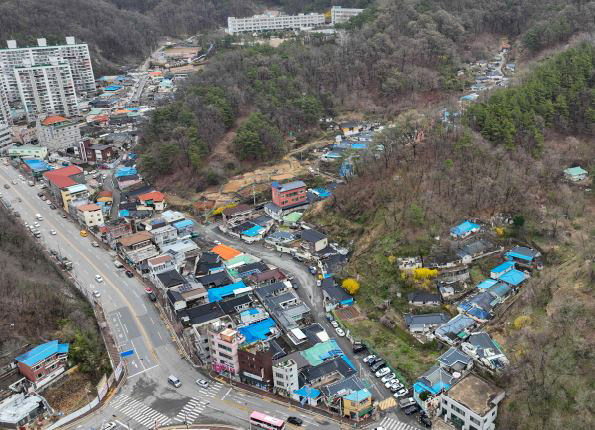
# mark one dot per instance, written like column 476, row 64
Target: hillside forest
column 395, row 56
column 37, row 304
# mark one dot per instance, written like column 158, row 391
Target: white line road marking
column 143, row 371
column 151, row 319
column 225, row 395
column 159, row 334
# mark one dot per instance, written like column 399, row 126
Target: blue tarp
column 253, row 231
column 113, row 88
column 358, row 146
column 464, row 228
column 435, row 389
column 479, row 313
column 217, row 294
column 125, row 171
column 308, row 392
column 123, row 212
column 37, row 165
column 513, row 277
column 322, row 192
column 257, row 331
column 185, row 223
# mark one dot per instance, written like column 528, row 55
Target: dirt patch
column 72, row 392
column 349, row 313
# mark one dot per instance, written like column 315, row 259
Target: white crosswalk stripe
column 392, row 423
column 139, row 412
column 191, row 411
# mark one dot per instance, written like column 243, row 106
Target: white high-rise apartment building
column 273, row 21
column 47, row 88
column 76, row 54
column 5, row 117
column 343, row 14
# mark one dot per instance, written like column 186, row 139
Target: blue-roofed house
column 501, row 269
column 465, row 229
column 525, row 257
column 576, row 174
column 479, row 307
column 486, row 284
column 185, row 227
column 513, row 277
column 357, row 404
column 455, row 330
column 218, row 294
column 44, row 362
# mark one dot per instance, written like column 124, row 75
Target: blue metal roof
column 513, row 277
column 183, row 224
column 311, row 393
column 257, row 331
column 43, row 351
column 358, row 396
column 217, row 294
column 253, row 231
column 503, row 267
column 486, row 284
column 464, row 228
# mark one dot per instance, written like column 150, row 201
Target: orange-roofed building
column 60, row 179
column 155, row 200
column 56, row 119
column 226, row 252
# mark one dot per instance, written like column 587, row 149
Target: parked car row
column 390, row 381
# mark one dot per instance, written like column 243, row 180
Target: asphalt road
column 146, row 397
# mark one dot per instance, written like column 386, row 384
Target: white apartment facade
column 5, row 135
column 47, row 89
column 5, row 116
column 76, row 54
column 273, row 22
column 343, row 14
column 285, row 378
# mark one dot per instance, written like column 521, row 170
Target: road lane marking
column 92, row 264
column 143, row 371
column 225, row 395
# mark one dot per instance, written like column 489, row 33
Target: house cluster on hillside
column 23, row 376
column 439, row 391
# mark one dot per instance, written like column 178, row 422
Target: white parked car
column 36, row 224
column 335, row 324
column 94, row 244
column 382, row 372
column 96, row 294
column 202, row 383
column 340, row 332
column 388, row 378
column 98, row 278
column 401, row 393
column 53, row 232
column 369, row 357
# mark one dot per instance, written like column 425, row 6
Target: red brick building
column 256, row 365
column 290, row 194
column 44, row 362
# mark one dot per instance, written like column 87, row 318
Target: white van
column 118, row 264
column 38, row 217
column 174, row 381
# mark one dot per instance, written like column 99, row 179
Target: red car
column 151, row 294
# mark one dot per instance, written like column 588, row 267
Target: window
column 224, row 348
column 225, row 356
column 474, row 420
column 458, row 410
column 279, row 375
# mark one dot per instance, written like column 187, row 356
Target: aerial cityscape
column 277, row 215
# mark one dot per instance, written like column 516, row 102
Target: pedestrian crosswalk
column 139, row 412
column 211, row 391
column 191, row 411
column 392, row 423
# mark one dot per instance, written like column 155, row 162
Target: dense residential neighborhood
column 237, row 302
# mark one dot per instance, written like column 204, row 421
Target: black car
column 52, row 207
column 359, row 347
column 377, row 365
column 410, row 410
column 373, row 360
column 129, row 274
column 295, row 421
column 425, row 421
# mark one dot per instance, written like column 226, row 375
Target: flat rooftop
column 476, row 394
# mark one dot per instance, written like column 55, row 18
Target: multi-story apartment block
column 5, row 135
column 46, row 88
column 76, row 54
column 272, row 21
column 285, row 378
column 223, row 344
column 290, row 194
column 56, row 132
column 5, row 116
column 343, row 14
column 44, row 362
